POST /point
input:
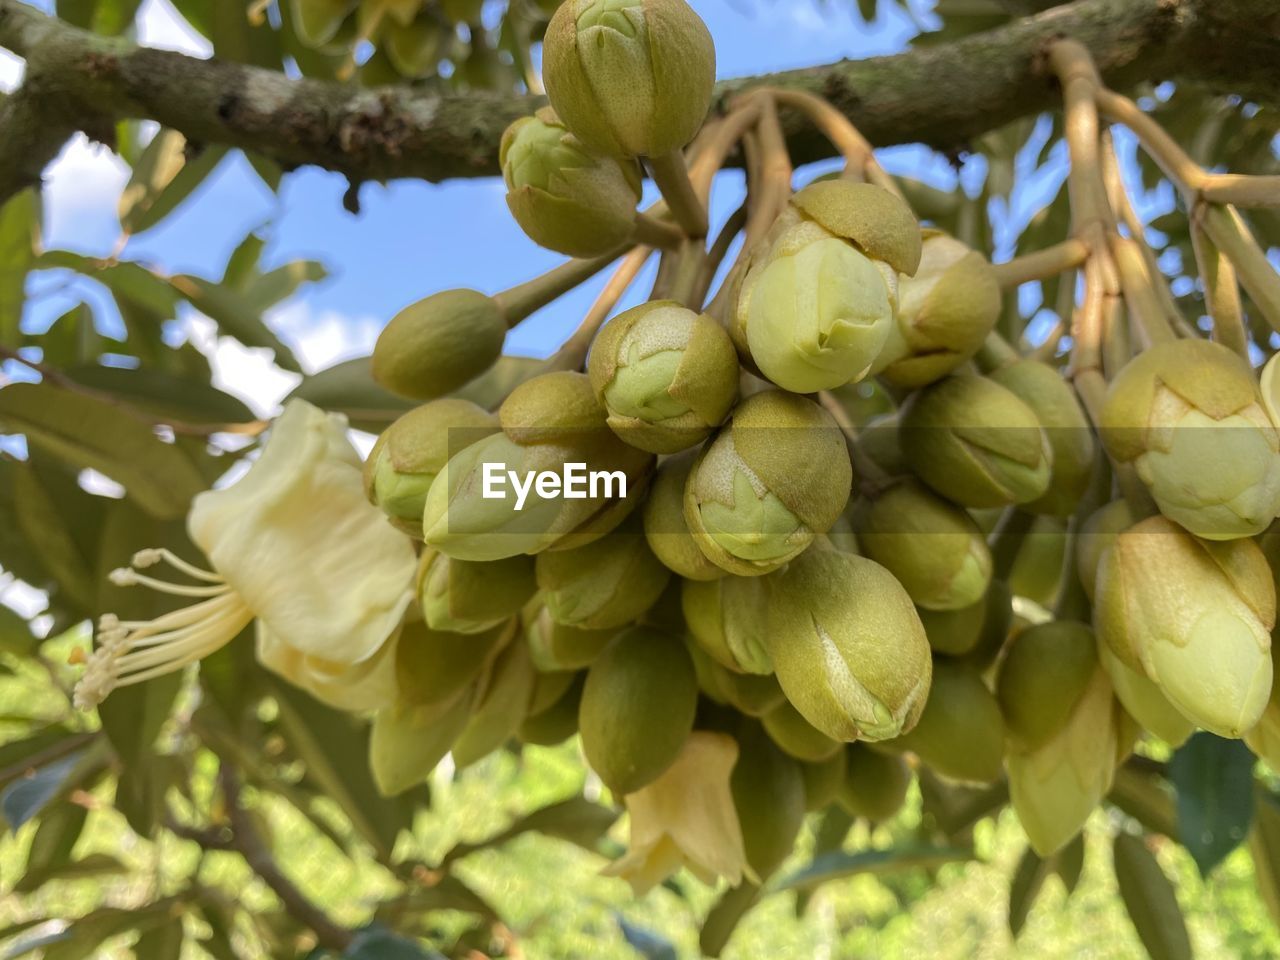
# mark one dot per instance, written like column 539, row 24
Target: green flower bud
column 975, row 442
column 437, row 345
column 558, row 722
column 932, row 546
column 875, row 783
column 434, row 667
column 407, row 741
column 555, row 646
column 1054, row 402
column 795, row 736
column 550, row 686
column 824, row 780
column 410, row 453
column 1096, row 536
column 1067, row 731
column 664, row 524
column 637, row 708
column 815, row 309
column 944, row 314
column 667, row 375
column 564, row 196
column 1195, row 616
column 954, row 632
column 466, row 596
column 770, row 481
column 768, row 794
column 878, row 439
column 1143, row 701
column 547, row 422
column 605, row 584
column 501, row 707
column 1037, row 566
column 1180, row 411
column 961, row 732
column 847, row 646
column 751, row 694
column 726, row 618
column 629, row 77
column 997, row 621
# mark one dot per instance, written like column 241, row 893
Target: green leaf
column 88, row 433
column 839, row 864
column 377, row 943
column 164, row 395
column 72, row 338
column 162, row 942
column 349, row 388
column 162, row 178
column 264, row 290
column 725, row 915
column 51, row 847
column 578, row 820
column 18, row 758
column 1068, row 863
column 1214, row 781
column 126, row 279
column 45, row 528
column 1028, row 881
column 16, row 637
column 90, row 866
column 1150, row 900
column 26, row 797
column 1264, row 845
column 235, row 315
column 19, row 237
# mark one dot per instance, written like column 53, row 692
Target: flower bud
column 847, row 646
column 768, row 793
column 500, row 708
column 629, row 77
column 1264, row 738
column 823, row 780
column 1143, row 701
column 566, row 197
column 1067, row 731
column 637, row 708
column 751, row 694
column 436, row 345
column 434, row 667
column 555, row 646
column 410, row 453
column 944, row 313
column 1095, row 538
column 547, row 421
column 875, row 783
column 961, row 732
column 954, row 632
column 997, row 620
column 726, row 618
column 816, row 307
column 467, row 596
column 664, row 524
column 666, row 375
column 795, row 736
column 604, row 584
column 878, row 439
column 407, row 741
column 975, row 442
column 770, row 481
column 1195, row 616
column 1180, row 411
column 558, row 722
column 1055, row 405
column 932, row 546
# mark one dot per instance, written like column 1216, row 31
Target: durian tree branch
column 943, row 95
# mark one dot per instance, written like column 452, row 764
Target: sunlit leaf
column 839, row 864
column 19, row 235
column 1150, row 900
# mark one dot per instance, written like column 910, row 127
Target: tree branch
column 941, row 95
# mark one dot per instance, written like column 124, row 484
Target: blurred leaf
column 235, row 316
column 21, row 757
column 650, row 945
column 88, row 433
column 1264, row 845
column 25, row 797
column 376, row 943
column 1069, row 863
column 1214, row 781
column 1150, row 900
column 72, row 338
column 491, row 387
column 264, row 290
column 19, row 236
column 44, row 526
column 725, row 915
column 92, row 865
column 126, row 279
column 839, row 864
column 162, row 942
column 447, row 893
column 163, row 176
column 349, row 388
column 164, row 395
column 577, row 820
column 15, row 635
column 51, row 847
column 1147, row 798
column 113, row 17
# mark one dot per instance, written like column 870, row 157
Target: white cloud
column 82, row 189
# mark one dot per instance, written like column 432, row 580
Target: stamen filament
column 154, row 555
column 128, row 577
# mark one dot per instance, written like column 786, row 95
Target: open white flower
column 293, row 543
column 686, row 818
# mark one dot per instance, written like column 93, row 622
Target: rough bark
column 942, row 95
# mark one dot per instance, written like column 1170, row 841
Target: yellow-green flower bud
column 944, row 313
column 1264, row 738
column 466, row 596
column 434, row 667
column 769, row 482
column 565, row 196
column 726, row 618
column 667, row 375
column 955, row 633
column 796, row 736
column 1067, row 731
column 752, row 694
column 1190, row 417
column 547, row 422
column 410, row 453
column 1195, row 616
column 501, row 707
column 664, row 524
column 823, row 780
column 975, row 442
column 961, row 732
column 604, row 584
column 550, row 686
column 815, row 309
column 637, row 708
column 1095, row 538
column 629, row 77
column 768, row 794
column 875, row 783
column 555, row 646
column 407, row 741
column 558, row 722
column 1144, row 702
column 932, row 546
column 847, row 646
column 436, row 345
column 1054, row 402
column 1038, row 564
column 996, row 623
